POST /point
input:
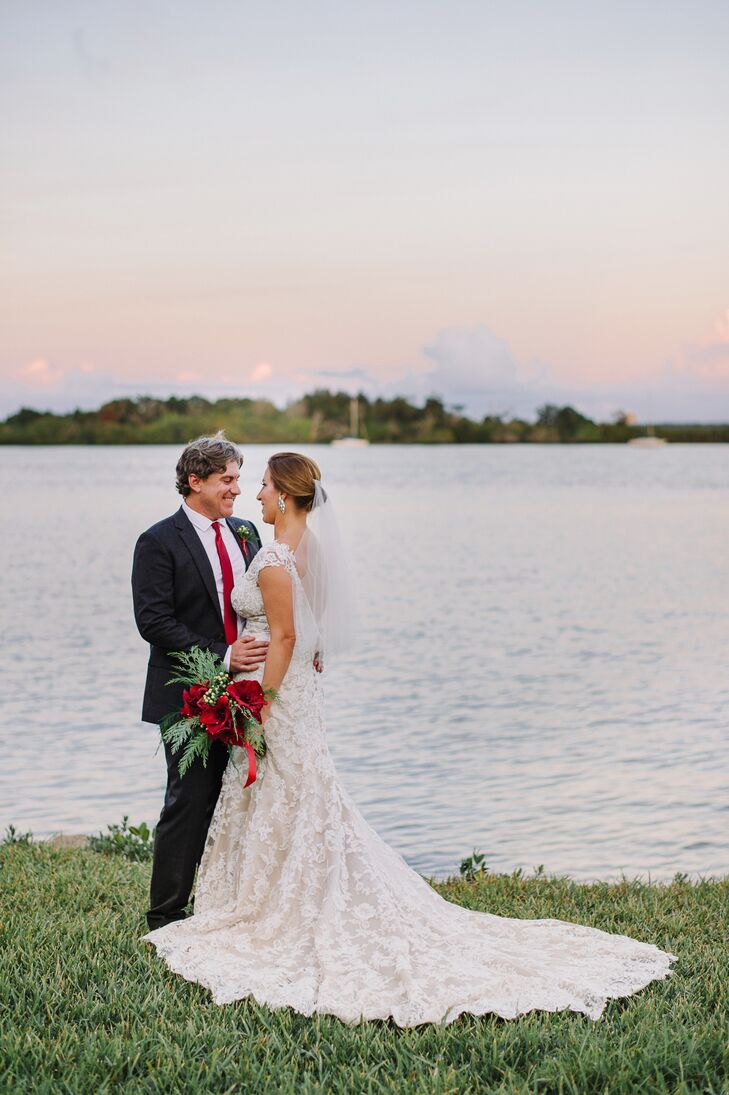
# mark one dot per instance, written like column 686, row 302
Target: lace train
column 300, row 904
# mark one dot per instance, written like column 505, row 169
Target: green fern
column 176, row 734
column 198, row 746
column 196, row 665
column 254, row 735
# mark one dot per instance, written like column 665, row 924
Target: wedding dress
column 300, row 904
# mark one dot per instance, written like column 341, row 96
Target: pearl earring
column 281, row 504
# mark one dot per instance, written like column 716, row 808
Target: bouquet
column 215, row 708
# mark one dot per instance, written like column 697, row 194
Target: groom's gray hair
column 204, row 457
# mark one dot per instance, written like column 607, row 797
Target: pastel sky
column 500, row 203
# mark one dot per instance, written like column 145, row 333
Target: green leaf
column 196, row 665
column 168, row 721
column 254, row 735
column 198, row 746
column 179, row 732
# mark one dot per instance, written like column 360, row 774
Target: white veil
column 322, row 565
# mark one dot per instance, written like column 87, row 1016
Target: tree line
column 319, row 417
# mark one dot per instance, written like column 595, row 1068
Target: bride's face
column 268, row 497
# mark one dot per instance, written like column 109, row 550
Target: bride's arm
column 278, row 601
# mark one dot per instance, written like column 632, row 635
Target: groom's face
column 216, row 495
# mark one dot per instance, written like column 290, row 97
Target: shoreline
column 81, row 842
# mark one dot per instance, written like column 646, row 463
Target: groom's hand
column 247, row 653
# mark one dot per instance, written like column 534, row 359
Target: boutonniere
column 244, row 534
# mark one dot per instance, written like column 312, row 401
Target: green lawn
column 86, row 1007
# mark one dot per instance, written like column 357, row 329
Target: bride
column 299, row 903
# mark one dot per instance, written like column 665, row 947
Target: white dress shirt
column 204, row 528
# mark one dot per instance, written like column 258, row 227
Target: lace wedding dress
column 300, row 904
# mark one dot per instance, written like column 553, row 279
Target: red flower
column 248, row 695
column 217, row 720
column 193, row 699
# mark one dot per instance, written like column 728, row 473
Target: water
column 542, row 671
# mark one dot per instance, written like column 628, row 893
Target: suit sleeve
column 154, row 604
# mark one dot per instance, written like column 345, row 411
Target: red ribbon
column 251, row 777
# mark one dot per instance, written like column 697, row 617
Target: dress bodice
column 246, row 597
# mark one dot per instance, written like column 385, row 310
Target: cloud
column 473, row 358
column 352, row 380
column 45, row 386
column 721, row 329
column 40, row 374
column 709, row 358
column 470, row 367
column 476, row 368
column 262, row 371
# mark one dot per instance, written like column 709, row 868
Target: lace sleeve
column 273, row 555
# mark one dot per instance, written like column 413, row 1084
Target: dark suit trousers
column 181, row 832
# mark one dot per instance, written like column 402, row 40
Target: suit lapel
column 192, row 542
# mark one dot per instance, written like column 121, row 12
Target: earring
column 281, row 504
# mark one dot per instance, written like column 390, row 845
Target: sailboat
column 650, row 441
column 354, row 441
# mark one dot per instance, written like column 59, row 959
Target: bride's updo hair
column 295, row 475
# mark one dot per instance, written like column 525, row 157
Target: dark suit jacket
column 176, row 603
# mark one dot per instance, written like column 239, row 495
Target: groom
column 184, row 570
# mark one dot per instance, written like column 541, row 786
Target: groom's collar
column 199, row 520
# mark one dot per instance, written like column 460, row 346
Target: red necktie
column 231, row 622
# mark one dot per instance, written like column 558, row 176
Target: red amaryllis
column 249, row 696
column 192, row 700
column 217, row 719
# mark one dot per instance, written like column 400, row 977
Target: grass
column 86, row 1007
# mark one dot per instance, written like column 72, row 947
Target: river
column 542, row 666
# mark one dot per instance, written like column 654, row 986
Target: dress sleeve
column 274, row 555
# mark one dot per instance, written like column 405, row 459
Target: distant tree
column 434, row 410
column 117, row 410
column 547, row 414
column 24, row 417
column 198, row 404
column 566, row 421
column 332, row 406
column 319, row 416
column 398, row 410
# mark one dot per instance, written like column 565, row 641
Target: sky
column 499, row 204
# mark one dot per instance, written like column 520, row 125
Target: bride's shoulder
column 275, row 554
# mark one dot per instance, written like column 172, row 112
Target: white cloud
column 44, row 386
column 353, row 380
column 709, row 359
column 721, row 329
column 40, row 374
column 473, row 358
column 476, row 368
column 263, row 371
